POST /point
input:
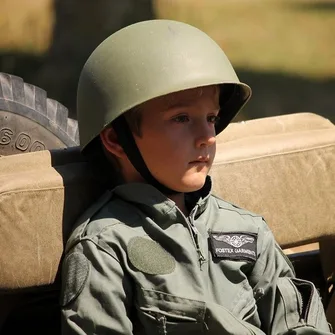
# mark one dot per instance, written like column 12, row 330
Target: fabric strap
column 127, row 141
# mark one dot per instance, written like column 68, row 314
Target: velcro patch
column 234, row 246
column 75, row 271
column 149, row 257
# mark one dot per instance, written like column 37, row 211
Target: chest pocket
column 161, row 313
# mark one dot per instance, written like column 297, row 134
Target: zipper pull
column 202, row 258
column 196, row 235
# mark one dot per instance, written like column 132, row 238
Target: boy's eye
column 213, row 119
column 181, row 118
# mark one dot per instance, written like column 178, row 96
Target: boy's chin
column 192, row 184
column 185, row 184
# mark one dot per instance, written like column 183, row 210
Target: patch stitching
column 234, row 245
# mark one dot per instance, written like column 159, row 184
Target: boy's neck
column 179, row 200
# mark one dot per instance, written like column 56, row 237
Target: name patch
column 236, row 246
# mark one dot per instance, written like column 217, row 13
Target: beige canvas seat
column 281, row 167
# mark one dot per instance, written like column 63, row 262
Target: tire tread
column 31, row 101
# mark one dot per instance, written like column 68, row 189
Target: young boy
column 158, row 254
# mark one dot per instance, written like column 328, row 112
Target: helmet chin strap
column 127, row 141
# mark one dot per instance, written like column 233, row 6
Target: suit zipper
column 195, row 236
column 307, row 309
column 161, row 319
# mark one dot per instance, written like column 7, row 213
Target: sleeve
column 286, row 305
column 96, row 294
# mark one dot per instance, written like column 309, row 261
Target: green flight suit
column 135, row 264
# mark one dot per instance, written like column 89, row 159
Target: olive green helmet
column 150, row 59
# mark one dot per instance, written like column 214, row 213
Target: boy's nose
column 206, row 137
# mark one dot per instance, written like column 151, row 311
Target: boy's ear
column 109, row 140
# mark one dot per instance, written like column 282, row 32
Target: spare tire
column 29, row 121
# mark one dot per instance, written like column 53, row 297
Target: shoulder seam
column 237, row 209
column 98, row 245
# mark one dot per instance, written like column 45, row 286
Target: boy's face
column 177, row 139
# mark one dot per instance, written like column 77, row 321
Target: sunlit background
column 284, row 49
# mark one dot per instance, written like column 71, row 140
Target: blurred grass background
column 291, row 36
column 284, row 49
column 26, row 26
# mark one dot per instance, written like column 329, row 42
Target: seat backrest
column 41, row 196
column 287, row 174
column 281, row 167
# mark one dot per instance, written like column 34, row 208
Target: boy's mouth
column 200, row 160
